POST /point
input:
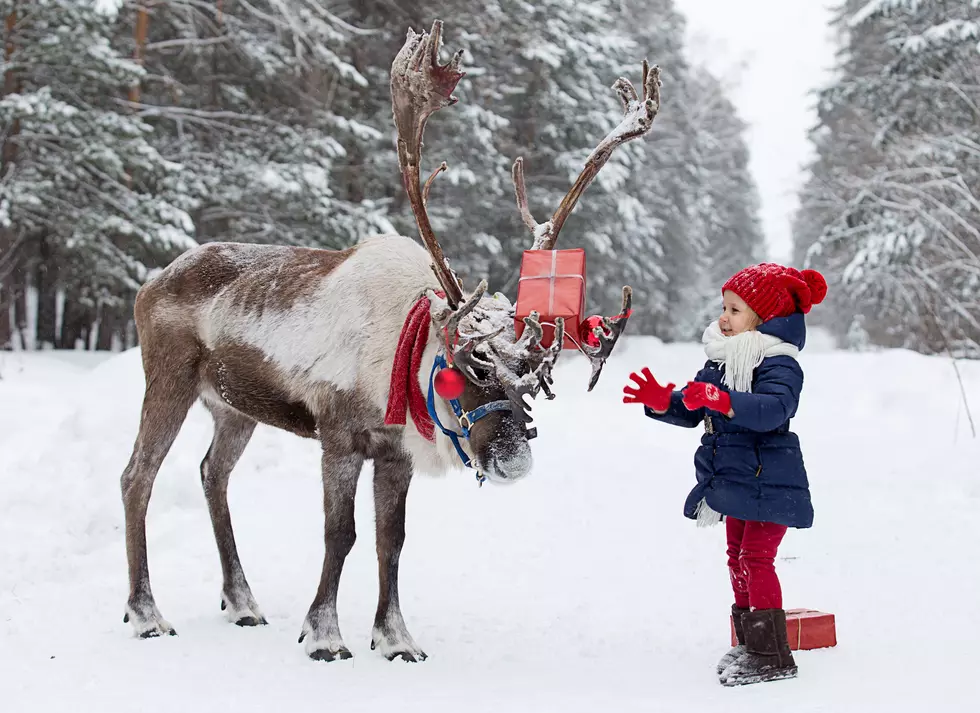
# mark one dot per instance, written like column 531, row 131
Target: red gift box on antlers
column 552, row 283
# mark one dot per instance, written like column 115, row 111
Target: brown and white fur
column 302, row 340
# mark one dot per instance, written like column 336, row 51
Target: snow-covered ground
column 580, row 588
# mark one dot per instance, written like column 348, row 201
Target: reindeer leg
column 392, row 476
column 165, row 405
column 232, row 432
column 341, row 468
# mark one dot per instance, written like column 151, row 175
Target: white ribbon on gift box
column 552, row 277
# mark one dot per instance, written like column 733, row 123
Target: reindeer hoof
column 147, row 622
column 404, row 650
column 326, row 655
column 323, row 643
column 154, row 633
column 246, row 613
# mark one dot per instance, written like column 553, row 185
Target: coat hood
column 791, row 329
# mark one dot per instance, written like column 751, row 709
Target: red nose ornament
column 585, row 330
column 449, row 384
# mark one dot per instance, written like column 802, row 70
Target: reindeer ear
column 439, row 309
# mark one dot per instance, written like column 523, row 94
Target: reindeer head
column 477, row 329
column 477, row 340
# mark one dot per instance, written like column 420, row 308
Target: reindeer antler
column 614, row 327
column 419, row 88
column 525, row 350
column 637, row 120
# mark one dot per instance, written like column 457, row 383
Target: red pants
column 751, row 553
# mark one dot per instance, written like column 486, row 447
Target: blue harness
column 466, row 420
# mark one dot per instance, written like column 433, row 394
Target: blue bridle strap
column 466, row 420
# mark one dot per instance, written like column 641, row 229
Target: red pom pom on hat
column 797, row 292
column 817, row 284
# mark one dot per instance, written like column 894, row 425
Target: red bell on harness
column 449, row 384
column 585, row 330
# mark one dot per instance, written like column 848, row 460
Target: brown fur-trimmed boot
column 768, row 656
column 736, row 651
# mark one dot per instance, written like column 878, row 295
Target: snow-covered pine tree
column 86, row 198
column 270, row 121
column 726, row 201
column 245, row 94
column 476, row 200
column 561, row 104
column 666, row 234
column 843, row 139
column 539, row 86
column 894, row 196
column 472, row 203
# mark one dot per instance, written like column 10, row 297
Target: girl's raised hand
column 698, row 394
column 648, row 392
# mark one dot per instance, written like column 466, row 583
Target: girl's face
column 736, row 316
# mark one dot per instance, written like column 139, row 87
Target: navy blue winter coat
column 750, row 466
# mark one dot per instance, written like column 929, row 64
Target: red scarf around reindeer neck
column 405, row 395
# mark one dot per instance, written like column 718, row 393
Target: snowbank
column 582, row 587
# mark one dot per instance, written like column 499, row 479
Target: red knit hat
column 773, row 290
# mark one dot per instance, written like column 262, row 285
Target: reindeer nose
column 509, row 468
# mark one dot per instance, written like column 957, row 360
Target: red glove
column 649, row 394
column 698, row 394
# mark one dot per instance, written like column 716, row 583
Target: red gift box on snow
column 552, row 283
column 806, row 629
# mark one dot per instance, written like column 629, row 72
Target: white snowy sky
column 774, row 52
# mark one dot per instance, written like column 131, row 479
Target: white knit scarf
column 740, row 355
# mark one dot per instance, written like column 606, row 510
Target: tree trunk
column 5, row 332
column 46, row 281
column 139, row 36
column 107, row 328
column 8, row 154
column 19, row 288
column 75, row 324
column 130, row 337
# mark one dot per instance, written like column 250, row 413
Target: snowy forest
column 133, row 130
column 891, row 210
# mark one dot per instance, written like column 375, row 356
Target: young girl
column 749, row 466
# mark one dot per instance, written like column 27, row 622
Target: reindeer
column 314, row 342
